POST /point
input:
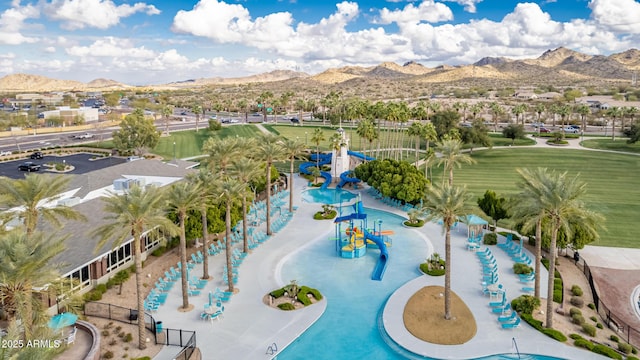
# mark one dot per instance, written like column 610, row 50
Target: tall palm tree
column 181, row 198
column 452, row 156
column 166, row 112
column 614, row 112
column 31, row 196
column 245, row 170
column 317, row 137
column 429, row 134
column 416, row 130
column 270, row 150
column 527, row 207
column 26, row 265
column 197, row 109
column 447, row 202
column 564, row 111
column 496, row 111
column 561, row 199
column 222, row 152
column 204, row 180
column 292, row 149
column 229, row 190
column 367, row 130
column 130, row 215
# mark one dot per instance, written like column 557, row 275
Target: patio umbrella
column 62, row 320
column 210, row 298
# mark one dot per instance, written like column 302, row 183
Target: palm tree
column 197, row 109
column 245, row 170
column 447, row 202
column 166, row 112
column 269, row 150
column 564, row 111
column 367, row 130
column 292, row 149
column 583, row 110
column 229, row 190
column 615, row 112
column 26, row 265
column 496, row 110
column 416, row 130
column 182, row 198
column 452, row 156
column 31, row 196
column 527, row 207
column 429, row 134
column 222, row 152
column 317, row 137
column 204, row 180
column 130, row 215
column 561, row 200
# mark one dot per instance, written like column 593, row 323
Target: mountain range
column 560, row 66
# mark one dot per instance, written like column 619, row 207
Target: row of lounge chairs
column 508, row 318
column 390, row 201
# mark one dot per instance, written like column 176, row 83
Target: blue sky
column 152, row 42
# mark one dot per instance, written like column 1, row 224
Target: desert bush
column 107, row 355
column 525, row 304
column 591, row 306
column 576, row 301
column 520, row 268
column 589, row 329
column 127, row 338
column 606, row 351
column 574, row 311
column 105, row 333
column 624, row 347
column 614, row 338
column 576, row 290
column 490, row 239
column 583, row 343
column 594, row 319
column 112, row 342
column 599, row 326
column 577, row 319
column 286, row 306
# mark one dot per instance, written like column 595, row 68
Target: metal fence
column 613, row 321
column 173, row 337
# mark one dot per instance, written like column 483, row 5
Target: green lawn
column 612, row 182
column 189, row 143
column 608, row 144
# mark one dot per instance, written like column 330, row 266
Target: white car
column 5, row 153
column 571, row 130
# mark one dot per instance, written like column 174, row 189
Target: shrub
column 112, row 342
column 624, row 347
column 159, row 251
column 417, row 223
column 606, row 351
column 614, row 338
column 277, row 293
column 574, row 311
column 595, row 319
column 556, row 274
column 557, row 284
column 102, row 288
column 599, row 326
column 110, row 283
column 107, row 355
column 105, row 333
column 591, row 306
column 576, row 290
column 520, row 268
column 433, row 271
column 302, row 296
column 576, row 301
column 589, row 329
column 325, row 216
column 490, row 239
column 525, row 304
column 143, row 358
column 555, row 334
column 557, row 296
column 316, row 294
column 286, row 306
column 575, row 336
column 214, row 125
column 127, row 338
column 528, row 318
column 93, row 295
column 632, row 358
column 584, row 343
column 577, row 319
column 545, row 262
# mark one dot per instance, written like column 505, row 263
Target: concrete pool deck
column 252, row 330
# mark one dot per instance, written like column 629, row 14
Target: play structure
column 342, row 162
column 354, row 238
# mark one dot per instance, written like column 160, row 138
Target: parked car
column 294, row 120
column 570, row 130
column 537, row 124
column 544, row 130
column 28, row 166
column 5, row 153
column 36, row 155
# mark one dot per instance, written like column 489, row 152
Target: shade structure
column 62, row 320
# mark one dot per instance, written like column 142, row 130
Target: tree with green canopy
column 137, row 133
column 493, row 206
column 513, row 132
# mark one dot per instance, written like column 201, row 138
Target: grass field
column 608, row 144
column 189, row 143
column 610, row 178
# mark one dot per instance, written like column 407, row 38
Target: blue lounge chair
column 501, row 303
column 502, row 310
column 508, row 318
column 511, row 325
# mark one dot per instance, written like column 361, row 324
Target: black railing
column 173, row 337
column 613, row 321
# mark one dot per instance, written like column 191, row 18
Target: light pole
column 174, row 151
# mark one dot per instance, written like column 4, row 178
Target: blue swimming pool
column 350, row 326
column 327, row 196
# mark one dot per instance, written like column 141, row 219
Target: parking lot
column 80, row 162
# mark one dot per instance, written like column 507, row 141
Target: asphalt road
column 81, row 163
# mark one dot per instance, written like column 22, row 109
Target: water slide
column 323, row 159
column 381, row 265
column 359, row 155
column 345, row 178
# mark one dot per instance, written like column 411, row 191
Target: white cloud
column 111, row 47
column 50, row 49
column 101, row 14
column 617, row 15
column 427, row 11
column 12, row 21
